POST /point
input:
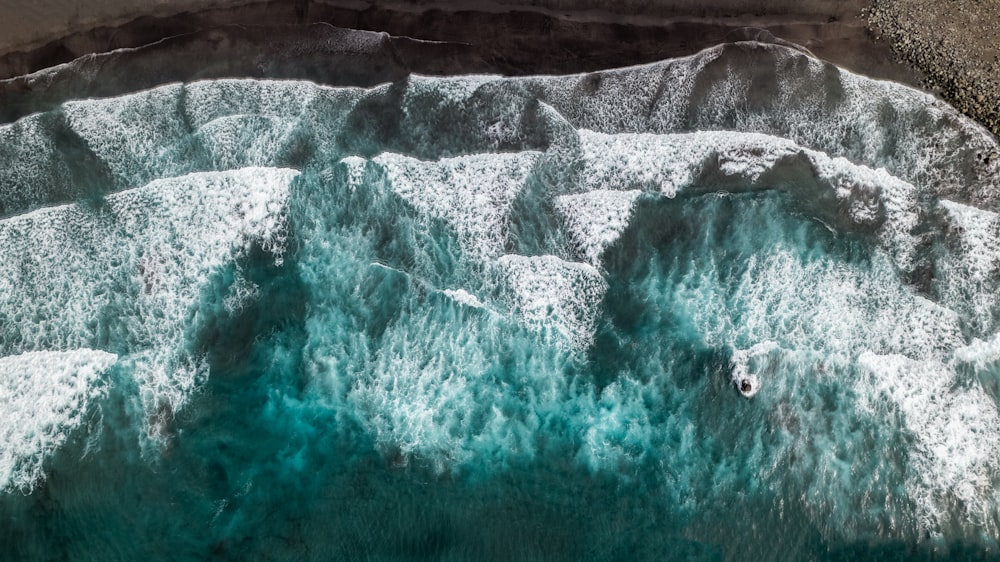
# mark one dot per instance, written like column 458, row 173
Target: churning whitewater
column 599, row 316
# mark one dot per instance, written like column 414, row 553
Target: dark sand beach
column 947, row 48
column 516, row 38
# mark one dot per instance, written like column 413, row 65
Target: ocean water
column 488, row 318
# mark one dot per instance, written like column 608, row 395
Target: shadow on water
column 262, row 466
column 235, row 325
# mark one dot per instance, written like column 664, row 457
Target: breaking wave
column 503, row 317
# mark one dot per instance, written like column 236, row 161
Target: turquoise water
column 482, row 318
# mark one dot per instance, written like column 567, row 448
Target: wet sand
column 949, row 48
column 524, row 37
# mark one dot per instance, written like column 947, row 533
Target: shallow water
column 495, row 318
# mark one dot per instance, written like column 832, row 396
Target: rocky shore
column 955, row 45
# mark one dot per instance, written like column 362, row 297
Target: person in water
column 745, row 386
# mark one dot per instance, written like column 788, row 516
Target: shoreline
column 955, row 45
column 914, row 42
column 529, row 37
column 30, row 24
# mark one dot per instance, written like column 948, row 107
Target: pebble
column 922, row 32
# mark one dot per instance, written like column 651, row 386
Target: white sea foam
column 918, row 137
column 449, row 116
column 749, row 364
column 168, row 131
column 956, row 454
column 146, row 254
column 241, row 141
column 878, row 123
column 596, row 219
column 670, row 163
column 547, row 292
column 433, row 390
column 620, row 100
column 982, row 355
column 446, row 91
column 818, row 305
column 44, row 397
column 355, row 166
column 864, row 195
column 33, row 172
column 469, row 113
column 838, row 192
column 141, row 137
column 968, row 274
column 283, row 100
column 462, row 296
column 257, row 122
column 473, row 194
